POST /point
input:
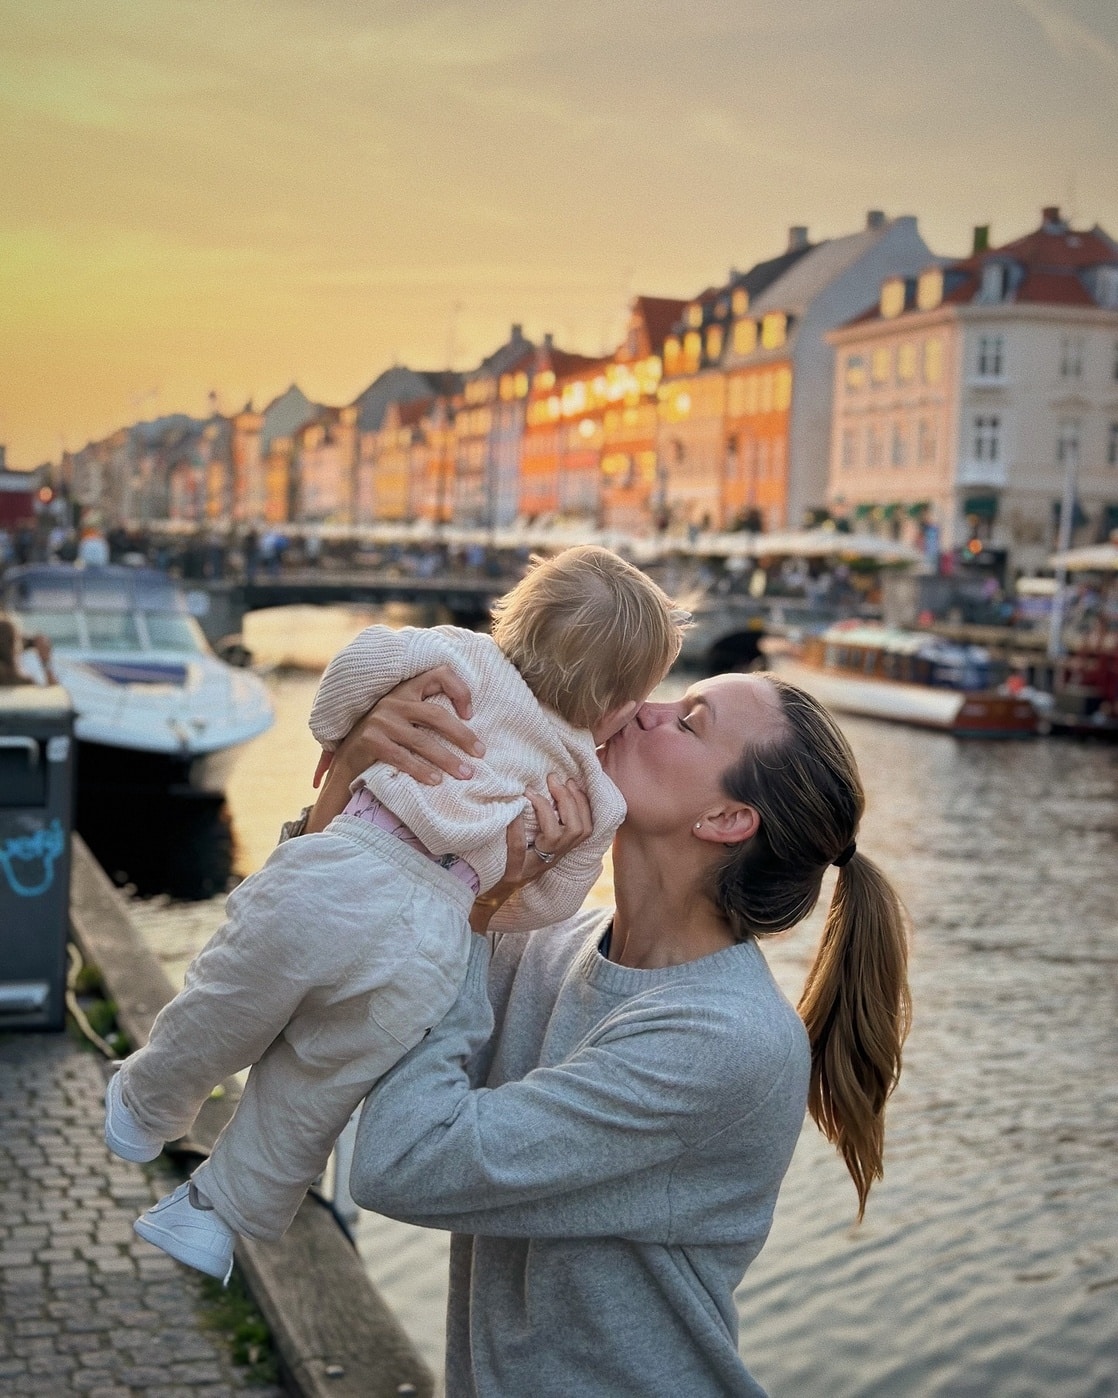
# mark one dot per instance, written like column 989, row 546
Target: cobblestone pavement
column 86, row 1307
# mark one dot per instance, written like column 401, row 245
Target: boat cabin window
column 113, row 631
column 106, row 595
column 61, row 628
column 168, row 631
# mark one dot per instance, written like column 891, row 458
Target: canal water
column 987, row 1264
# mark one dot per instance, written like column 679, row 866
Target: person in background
column 604, row 1117
column 352, row 942
column 24, row 661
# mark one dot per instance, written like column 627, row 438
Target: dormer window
column 994, row 281
column 929, row 289
column 739, row 302
column 774, row 330
column 892, row 298
column 1106, row 287
column 714, row 342
column 695, row 314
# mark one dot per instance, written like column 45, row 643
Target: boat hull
column 110, row 767
column 983, row 714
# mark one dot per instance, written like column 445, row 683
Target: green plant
column 231, row 1311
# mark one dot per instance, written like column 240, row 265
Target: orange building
column 401, row 460
column 629, row 424
column 560, row 462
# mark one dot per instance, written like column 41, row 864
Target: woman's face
column 669, row 760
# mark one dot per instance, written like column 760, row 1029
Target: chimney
column 517, row 332
column 549, row 341
column 875, row 219
column 797, row 237
column 981, row 239
column 1053, row 223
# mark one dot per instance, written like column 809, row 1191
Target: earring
column 698, row 825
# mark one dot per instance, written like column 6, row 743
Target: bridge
column 726, row 631
column 463, row 599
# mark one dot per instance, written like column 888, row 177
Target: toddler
column 348, row 945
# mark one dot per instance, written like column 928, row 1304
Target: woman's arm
column 561, row 1152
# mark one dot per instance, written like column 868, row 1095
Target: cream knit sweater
column 524, row 741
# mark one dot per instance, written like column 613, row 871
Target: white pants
column 335, row 959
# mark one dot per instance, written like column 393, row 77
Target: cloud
column 1070, row 37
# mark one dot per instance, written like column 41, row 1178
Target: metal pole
column 1063, row 543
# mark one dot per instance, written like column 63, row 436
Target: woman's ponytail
column 855, row 1005
column 856, row 1008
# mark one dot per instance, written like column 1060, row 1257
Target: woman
column 605, row 1116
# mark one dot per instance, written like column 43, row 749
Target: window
column 774, row 330
column 850, row 449
column 1071, row 356
column 987, row 435
column 926, row 442
column 899, row 451
column 906, row 363
column 714, row 342
column 767, row 386
column 990, row 356
column 739, row 302
column 929, row 290
column 1067, row 444
column 782, row 393
column 694, row 314
column 854, row 372
column 1106, row 287
column 892, row 298
column 873, row 447
column 745, row 336
column 692, row 348
column 993, row 282
column 1112, row 444
column 933, row 360
column 882, row 365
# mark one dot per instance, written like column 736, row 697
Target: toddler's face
column 614, row 722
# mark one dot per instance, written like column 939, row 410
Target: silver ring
column 543, row 854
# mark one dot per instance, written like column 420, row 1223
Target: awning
column 981, row 506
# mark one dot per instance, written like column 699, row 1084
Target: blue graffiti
column 45, row 845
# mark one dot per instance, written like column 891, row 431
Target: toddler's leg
column 240, row 991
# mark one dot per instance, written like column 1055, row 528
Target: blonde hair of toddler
column 588, row 632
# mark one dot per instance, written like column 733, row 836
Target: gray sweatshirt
column 614, row 1177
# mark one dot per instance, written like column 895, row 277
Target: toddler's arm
column 358, row 676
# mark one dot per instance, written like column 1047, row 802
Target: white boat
column 154, row 706
column 911, row 677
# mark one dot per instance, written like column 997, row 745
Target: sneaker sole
column 174, row 1246
column 137, row 1154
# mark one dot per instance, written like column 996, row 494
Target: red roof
column 660, row 314
column 1051, row 259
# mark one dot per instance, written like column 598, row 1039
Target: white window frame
column 1071, row 356
column 986, row 437
column 991, row 356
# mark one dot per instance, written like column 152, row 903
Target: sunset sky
column 217, row 195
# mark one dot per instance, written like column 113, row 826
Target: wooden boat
column 912, row 677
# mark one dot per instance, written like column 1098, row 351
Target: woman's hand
column 562, row 823
column 402, row 730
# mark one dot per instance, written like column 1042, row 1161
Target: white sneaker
column 189, row 1231
column 124, row 1135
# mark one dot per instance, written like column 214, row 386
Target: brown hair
column 855, row 1003
column 588, row 632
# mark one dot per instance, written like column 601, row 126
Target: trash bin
column 36, row 806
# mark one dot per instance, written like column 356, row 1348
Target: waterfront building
column 282, row 419
column 249, row 489
column 560, row 465
column 710, row 423
column 401, row 460
column 489, row 427
column 395, row 385
column 971, row 396
column 630, row 418
column 325, row 466
column 776, row 353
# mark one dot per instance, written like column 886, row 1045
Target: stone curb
column 335, row 1335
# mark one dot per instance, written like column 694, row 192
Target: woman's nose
column 650, row 715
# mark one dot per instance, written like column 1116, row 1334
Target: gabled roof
column 812, row 273
column 1048, row 264
column 504, row 358
column 285, row 415
column 398, row 385
column 659, row 314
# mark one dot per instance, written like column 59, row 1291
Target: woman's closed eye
column 684, row 721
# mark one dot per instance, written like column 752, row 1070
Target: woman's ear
column 729, row 825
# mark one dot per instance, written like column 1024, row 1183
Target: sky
column 223, row 196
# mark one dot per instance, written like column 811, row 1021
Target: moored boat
column 912, row 677
column 155, row 707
